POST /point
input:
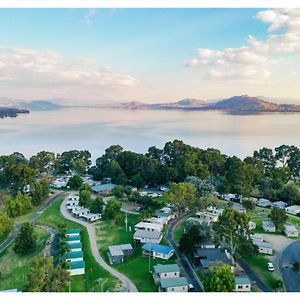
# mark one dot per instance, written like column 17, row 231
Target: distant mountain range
column 236, row 104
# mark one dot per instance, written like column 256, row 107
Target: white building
column 290, row 230
column 148, row 226
column 146, row 236
column 92, row 217
column 252, row 225
column 207, row 217
column 264, row 247
column 263, row 202
column 293, row 210
column 268, row 226
column 177, row 284
column 165, row 271
column 280, row 204
column 242, row 284
column 81, row 212
column 73, row 232
column 77, row 268
column 215, row 210
column 74, row 256
column 157, row 251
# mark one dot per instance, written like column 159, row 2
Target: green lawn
column 178, row 231
column 259, row 264
column 136, row 267
column 94, row 274
column 14, row 267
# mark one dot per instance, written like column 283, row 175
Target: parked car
column 48, row 242
column 191, row 288
column 270, row 267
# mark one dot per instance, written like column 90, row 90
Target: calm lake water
column 97, row 129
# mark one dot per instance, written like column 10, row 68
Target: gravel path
column 127, row 284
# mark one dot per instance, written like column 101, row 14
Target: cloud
column 90, row 15
column 253, row 60
column 23, row 67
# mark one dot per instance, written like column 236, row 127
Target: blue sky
column 143, row 50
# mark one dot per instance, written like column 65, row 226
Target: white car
column 270, row 267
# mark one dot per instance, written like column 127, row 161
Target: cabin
column 75, row 247
column 74, row 256
column 92, row 217
column 159, row 221
column 148, row 226
column 263, row 247
column 117, row 253
column 73, row 232
column 157, row 251
column 252, row 225
column 207, row 217
column 177, row 284
column 263, row 202
column 80, row 212
column 103, row 189
column 229, row 197
column 242, row 284
column 290, row 230
column 146, row 236
column 165, row 271
column 76, row 268
column 293, row 210
column 280, row 204
column 204, row 257
column 215, row 210
column 238, row 207
column 73, row 239
column 268, row 226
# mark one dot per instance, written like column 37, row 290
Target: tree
column 248, row 204
column 6, row 222
column 97, row 205
column 43, row 277
column 85, row 197
column 290, row 193
column 115, row 172
column 190, row 238
column 75, row 182
column 266, row 156
column 39, row 191
column 232, row 229
column 296, row 265
column 25, row 240
column 203, row 186
column 18, row 175
column 43, row 161
column 219, row 278
column 278, row 216
column 119, row 191
column 137, row 181
column 209, row 200
column 182, row 195
column 19, row 205
column 112, row 209
column 75, row 160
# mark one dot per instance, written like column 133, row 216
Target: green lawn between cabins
column 259, row 264
column 94, row 274
column 135, row 267
column 14, row 267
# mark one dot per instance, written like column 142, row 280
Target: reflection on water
column 96, row 129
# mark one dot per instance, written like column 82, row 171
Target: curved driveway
column 286, row 259
column 127, row 284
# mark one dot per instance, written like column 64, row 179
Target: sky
column 150, row 55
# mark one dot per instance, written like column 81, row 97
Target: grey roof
column 173, row 282
column 240, row 280
column 280, row 204
column 117, row 250
column 262, row 244
column 147, row 234
column 103, row 187
column 290, row 227
column 268, row 224
column 212, row 254
column 166, row 268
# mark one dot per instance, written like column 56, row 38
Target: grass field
column 94, row 274
column 259, row 264
column 136, row 267
column 14, row 267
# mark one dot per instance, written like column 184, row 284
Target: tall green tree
column 6, row 222
column 19, row 205
column 75, row 182
column 25, row 240
column 279, row 217
column 43, row 161
column 219, row 278
column 112, row 209
column 232, row 229
column 182, row 195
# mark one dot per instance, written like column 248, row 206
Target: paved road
column 253, row 276
column 127, row 284
column 16, row 228
column 286, row 259
column 190, row 274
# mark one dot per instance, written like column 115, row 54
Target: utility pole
column 126, row 221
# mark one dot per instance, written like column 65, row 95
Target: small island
column 12, row 112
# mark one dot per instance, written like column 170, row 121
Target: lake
column 137, row 130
